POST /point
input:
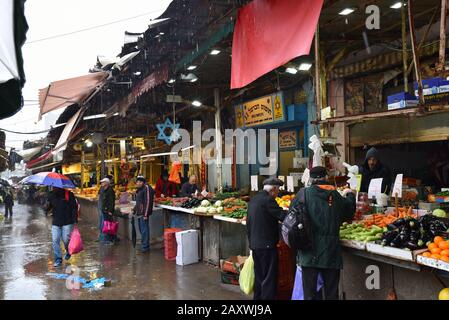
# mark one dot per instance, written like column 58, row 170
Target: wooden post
column 396, row 204
column 442, row 58
column 411, row 21
column 404, row 46
column 317, row 74
column 218, row 142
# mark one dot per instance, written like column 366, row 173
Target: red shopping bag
column 110, row 227
column 75, row 244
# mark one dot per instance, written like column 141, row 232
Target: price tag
column 306, row 177
column 375, row 187
column 397, row 188
column 204, row 193
column 282, row 178
column 290, row 187
column 254, row 183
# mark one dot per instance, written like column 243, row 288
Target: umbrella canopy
column 52, row 179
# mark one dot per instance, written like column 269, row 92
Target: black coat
column 108, row 200
column 188, row 189
column 263, row 219
column 65, row 211
column 379, row 171
column 144, row 201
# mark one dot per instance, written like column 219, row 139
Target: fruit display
column 437, row 249
column 284, row 201
column 359, row 232
column 207, row 208
column 362, row 208
column 165, row 201
column 87, row 192
column 412, row 234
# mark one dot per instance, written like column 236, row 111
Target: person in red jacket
column 165, row 188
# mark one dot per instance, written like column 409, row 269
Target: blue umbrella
column 51, row 179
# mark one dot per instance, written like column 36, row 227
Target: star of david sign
column 174, row 136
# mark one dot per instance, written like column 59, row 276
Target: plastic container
column 229, row 278
column 187, row 252
column 170, row 245
column 286, row 269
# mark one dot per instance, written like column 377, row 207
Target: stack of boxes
column 431, row 87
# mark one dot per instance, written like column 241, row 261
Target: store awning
column 68, row 129
column 63, row 93
column 13, row 28
column 27, row 154
column 47, row 155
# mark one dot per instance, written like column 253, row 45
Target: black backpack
column 296, row 228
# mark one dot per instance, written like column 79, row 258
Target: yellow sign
column 359, row 181
column 287, row 139
column 278, row 108
column 258, row 111
column 239, row 117
column 71, row 168
column 139, row 143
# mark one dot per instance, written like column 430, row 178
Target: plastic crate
column 229, row 278
column 170, row 244
column 286, row 268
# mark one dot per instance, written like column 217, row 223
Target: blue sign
column 174, row 136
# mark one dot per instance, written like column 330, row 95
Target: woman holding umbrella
column 65, row 209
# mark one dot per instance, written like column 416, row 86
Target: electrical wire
column 91, row 28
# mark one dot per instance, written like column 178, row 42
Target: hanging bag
column 75, row 244
column 246, row 278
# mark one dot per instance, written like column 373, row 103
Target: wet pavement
column 26, row 259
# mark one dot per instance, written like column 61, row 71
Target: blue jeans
column 102, row 236
column 60, row 233
column 144, row 228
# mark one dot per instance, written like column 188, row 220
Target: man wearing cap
column 262, row 226
column 143, row 209
column 372, row 168
column 327, row 209
column 107, row 205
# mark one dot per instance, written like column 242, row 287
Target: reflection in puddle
column 25, row 288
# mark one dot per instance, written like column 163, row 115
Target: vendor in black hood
column 373, row 169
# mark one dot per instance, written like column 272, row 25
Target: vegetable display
column 207, row 208
column 359, row 232
column 439, row 213
column 412, row 234
column 382, row 220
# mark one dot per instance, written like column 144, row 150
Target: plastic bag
column 110, row 227
column 246, row 279
column 75, row 244
column 298, row 292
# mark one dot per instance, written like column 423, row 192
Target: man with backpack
column 326, row 209
column 262, row 226
column 143, row 210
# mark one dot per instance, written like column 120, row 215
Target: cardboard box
column 430, row 86
column 401, row 100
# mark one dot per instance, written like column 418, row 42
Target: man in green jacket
column 327, row 209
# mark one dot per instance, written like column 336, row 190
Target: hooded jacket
column 327, row 209
column 379, row 171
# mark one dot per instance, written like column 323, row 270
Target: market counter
column 218, row 239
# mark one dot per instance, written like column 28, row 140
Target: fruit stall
column 410, row 248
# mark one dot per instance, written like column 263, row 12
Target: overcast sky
column 71, row 55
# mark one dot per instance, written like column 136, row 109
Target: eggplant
column 400, row 222
column 396, row 242
column 389, row 236
column 413, row 223
column 391, row 227
column 411, row 245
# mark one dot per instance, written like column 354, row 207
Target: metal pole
column 442, row 58
column 404, row 47
column 82, row 168
column 317, row 74
column 218, row 142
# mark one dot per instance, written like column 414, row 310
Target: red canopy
column 268, row 34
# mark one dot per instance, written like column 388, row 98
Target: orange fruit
column 436, row 250
column 445, row 252
column 432, row 246
column 438, row 239
column 443, row 245
column 426, row 254
column 435, row 256
column 444, row 258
